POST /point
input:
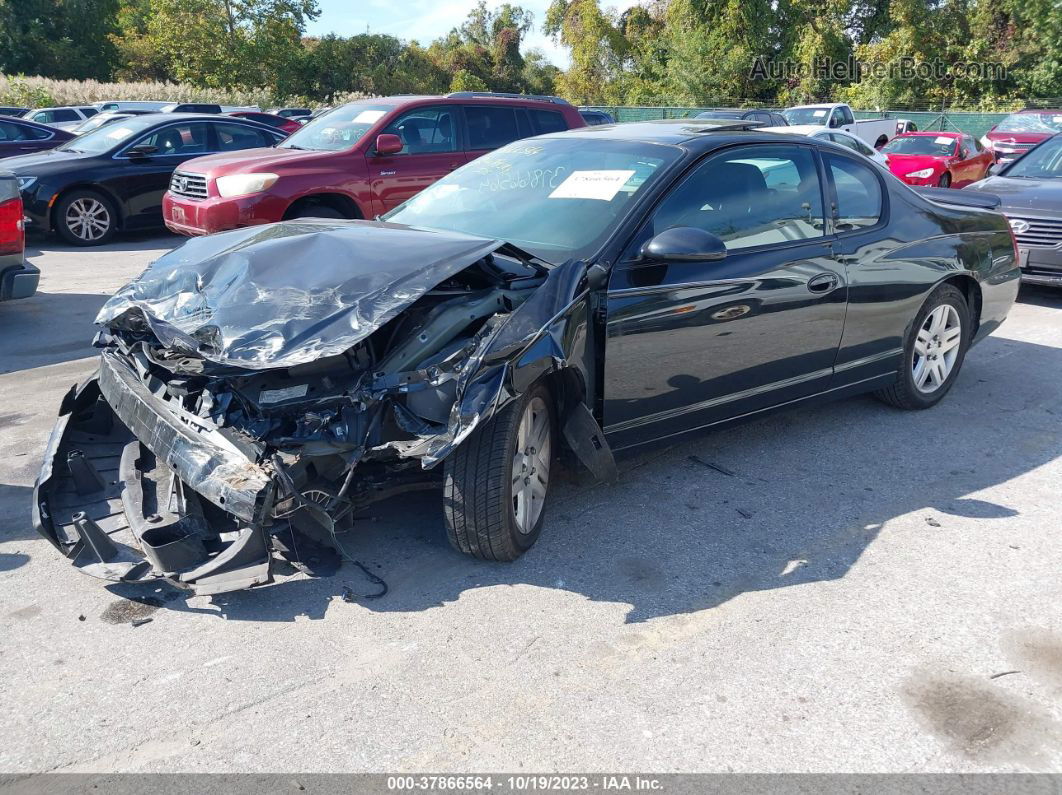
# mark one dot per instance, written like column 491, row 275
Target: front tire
column 85, row 218
column 933, row 352
column 497, row 480
column 316, row 211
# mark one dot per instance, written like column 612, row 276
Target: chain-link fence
column 973, row 122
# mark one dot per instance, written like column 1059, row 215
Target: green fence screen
column 973, row 122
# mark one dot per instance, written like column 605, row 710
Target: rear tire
column 496, row 482
column 945, row 180
column 85, row 218
column 933, row 352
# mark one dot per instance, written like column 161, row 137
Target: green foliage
column 58, row 38
column 464, row 80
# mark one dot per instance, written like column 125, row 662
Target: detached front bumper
column 131, row 491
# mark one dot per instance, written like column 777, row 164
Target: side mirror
column 144, row 150
column 684, row 244
column 388, row 144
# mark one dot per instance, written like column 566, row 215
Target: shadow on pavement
column 806, row 494
column 1050, row 297
column 37, row 244
column 48, row 328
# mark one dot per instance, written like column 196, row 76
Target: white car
column 839, row 116
column 64, row 118
column 836, row 136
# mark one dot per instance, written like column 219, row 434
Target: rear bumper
column 215, row 214
column 129, row 491
column 20, row 280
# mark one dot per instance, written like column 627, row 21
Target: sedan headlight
column 921, row 174
column 25, row 183
column 986, row 142
column 244, row 184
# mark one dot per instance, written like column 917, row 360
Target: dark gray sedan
column 1030, row 189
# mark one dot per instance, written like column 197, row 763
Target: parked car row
column 366, row 158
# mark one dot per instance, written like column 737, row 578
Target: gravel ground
column 869, row 590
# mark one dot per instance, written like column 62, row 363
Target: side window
column 489, row 128
column 89, row 112
column 750, row 196
column 65, row 114
column 425, row 131
column 858, row 193
column 846, row 115
column 844, row 140
column 21, row 132
column 978, row 147
column 44, row 117
column 967, row 148
column 231, row 137
column 547, row 121
column 178, row 139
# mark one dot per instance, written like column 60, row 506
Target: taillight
column 12, row 229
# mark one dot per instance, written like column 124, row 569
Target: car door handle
column 823, row 282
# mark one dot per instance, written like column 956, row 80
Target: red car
column 944, row 159
column 1019, row 132
column 284, row 125
column 356, row 161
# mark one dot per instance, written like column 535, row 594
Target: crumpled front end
column 188, row 457
column 130, row 491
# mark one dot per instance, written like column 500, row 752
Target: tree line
column 872, row 53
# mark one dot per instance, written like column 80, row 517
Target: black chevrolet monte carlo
column 564, row 297
column 113, row 178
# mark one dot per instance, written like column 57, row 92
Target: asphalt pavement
column 848, row 588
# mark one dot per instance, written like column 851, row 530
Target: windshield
column 796, row 116
column 104, row 139
column 939, row 145
column 557, row 198
column 1043, row 162
column 338, row 129
column 97, row 121
column 1047, row 122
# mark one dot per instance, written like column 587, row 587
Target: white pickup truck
column 839, row 116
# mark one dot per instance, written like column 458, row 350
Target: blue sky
column 423, row 20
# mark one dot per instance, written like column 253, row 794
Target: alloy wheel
column 530, row 473
column 936, row 348
column 88, row 219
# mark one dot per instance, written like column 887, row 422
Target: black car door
column 141, row 180
column 689, row 344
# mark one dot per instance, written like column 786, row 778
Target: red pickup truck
column 356, row 161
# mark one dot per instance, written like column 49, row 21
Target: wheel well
column 972, row 290
column 336, row 201
column 118, row 209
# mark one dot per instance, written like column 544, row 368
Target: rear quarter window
column 548, row 121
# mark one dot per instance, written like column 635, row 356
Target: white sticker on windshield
column 943, row 139
column 603, row 185
column 280, row 395
column 369, row 116
column 1057, row 119
column 819, row 114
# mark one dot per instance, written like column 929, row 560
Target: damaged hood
column 288, row 293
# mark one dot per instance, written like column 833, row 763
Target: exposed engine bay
column 257, row 387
